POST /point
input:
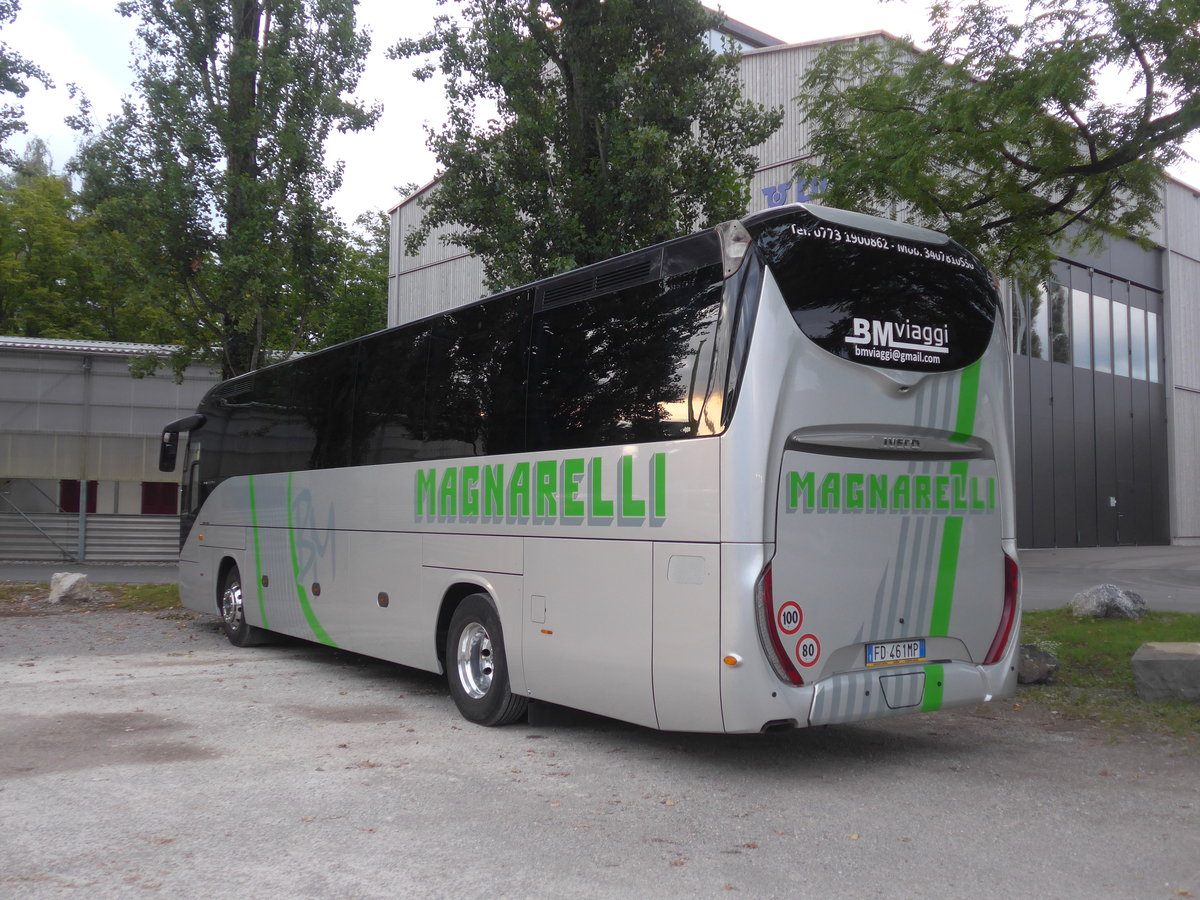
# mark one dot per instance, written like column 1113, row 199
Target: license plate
column 889, row 653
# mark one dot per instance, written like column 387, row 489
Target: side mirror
column 168, row 451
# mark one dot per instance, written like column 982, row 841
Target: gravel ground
column 144, row 755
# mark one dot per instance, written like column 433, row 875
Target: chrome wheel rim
column 231, row 605
column 475, row 662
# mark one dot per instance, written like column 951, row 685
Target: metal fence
column 106, row 538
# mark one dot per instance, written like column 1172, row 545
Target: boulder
column 1036, row 666
column 69, row 586
column 1107, row 601
column 1165, row 670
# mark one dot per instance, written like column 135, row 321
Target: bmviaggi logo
column 899, row 341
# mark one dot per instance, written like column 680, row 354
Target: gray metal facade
column 1104, row 457
column 71, row 412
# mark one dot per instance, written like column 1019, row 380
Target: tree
column 615, row 126
column 217, row 172
column 62, row 273
column 15, row 73
column 359, row 304
column 1002, row 133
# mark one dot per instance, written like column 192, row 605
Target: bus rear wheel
column 476, row 666
column 233, row 614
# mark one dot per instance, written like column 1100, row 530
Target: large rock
column 1036, row 666
column 1164, row 670
column 69, row 586
column 1107, row 601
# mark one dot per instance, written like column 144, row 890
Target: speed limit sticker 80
column 808, row 650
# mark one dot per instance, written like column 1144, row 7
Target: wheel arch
column 451, row 598
column 227, row 563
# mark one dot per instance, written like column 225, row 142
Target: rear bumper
column 877, row 693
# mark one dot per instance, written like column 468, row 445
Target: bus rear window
column 880, row 299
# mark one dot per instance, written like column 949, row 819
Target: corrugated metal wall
column 439, row 277
column 1182, row 309
column 71, row 411
column 76, row 414
column 109, row 538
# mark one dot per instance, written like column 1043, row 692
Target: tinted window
column 635, row 365
column 880, row 300
column 390, row 401
column 263, row 432
column 475, row 394
column 322, row 400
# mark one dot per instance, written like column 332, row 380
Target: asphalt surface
column 1168, row 578
column 144, row 756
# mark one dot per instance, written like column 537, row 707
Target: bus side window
column 390, row 399
column 475, row 388
column 625, row 366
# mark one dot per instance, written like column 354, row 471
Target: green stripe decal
column 309, row 616
column 947, row 569
column 262, row 605
column 947, row 572
column 968, row 397
column 660, row 485
column 935, row 680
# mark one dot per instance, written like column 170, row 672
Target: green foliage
column 611, row 126
column 216, row 175
column 62, row 273
column 360, row 304
column 1095, row 678
column 15, row 73
column 1000, row 134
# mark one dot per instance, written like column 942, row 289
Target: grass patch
column 142, row 596
column 14, row 591
column 1095, row 678
column 17, row 595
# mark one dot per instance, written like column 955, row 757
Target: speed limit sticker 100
column 790, row 617
column 808, row 650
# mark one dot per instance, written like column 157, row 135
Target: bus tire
column 476, row 665
column 233, row 615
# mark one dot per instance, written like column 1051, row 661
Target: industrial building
column 79, row 441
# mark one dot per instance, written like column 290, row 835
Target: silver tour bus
column 753, row 478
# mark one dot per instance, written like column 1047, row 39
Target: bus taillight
column 768, row 631
column 1008, row 615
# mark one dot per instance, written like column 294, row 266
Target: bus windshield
column 894, row 301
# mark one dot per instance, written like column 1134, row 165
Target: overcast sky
column 88, row 43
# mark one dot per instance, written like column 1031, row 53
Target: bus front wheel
column 476, row 666
column 233, row 615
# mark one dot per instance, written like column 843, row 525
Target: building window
column 68, row 496
column 1120, row 321
column 1039, row 324
column 1059, row 300
column 1152, row 345
column 160, row 498
column 1081, row 326
column 1101, row 334
column 1137, row 342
